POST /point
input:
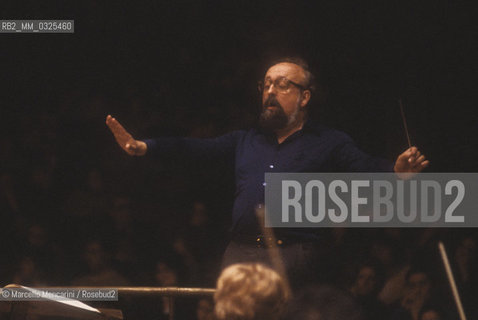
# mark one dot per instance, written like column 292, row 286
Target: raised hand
column 409, row 163
column 126, row 141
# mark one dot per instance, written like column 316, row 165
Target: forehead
column 286, row 69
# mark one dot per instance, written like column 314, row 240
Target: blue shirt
column 252, row 153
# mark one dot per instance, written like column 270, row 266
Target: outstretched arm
column 126, row 141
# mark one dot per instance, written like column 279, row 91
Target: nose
column 271, row 89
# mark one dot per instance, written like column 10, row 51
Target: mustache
column 272, row 101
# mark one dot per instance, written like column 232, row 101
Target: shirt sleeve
column 194, row 149
column 349, row 158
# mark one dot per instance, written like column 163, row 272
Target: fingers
column 131, row 149
column 114, row 125
column 411, row 151
column 109, row 121
column 131, row 146
column 123, row 138
column 420, row 159
column 412, row 154
column 415, row 157
column 120, row 133
column 411, row 161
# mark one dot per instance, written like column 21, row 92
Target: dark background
column 185, row 62
column 190, row 68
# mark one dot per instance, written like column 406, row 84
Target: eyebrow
column 279, row 77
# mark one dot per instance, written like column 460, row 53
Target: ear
column 305, row 98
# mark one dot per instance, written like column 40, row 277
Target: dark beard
column 275, row 118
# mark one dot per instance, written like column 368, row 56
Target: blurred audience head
column 166, row 275
column 419, row 283
column 37, row 236
column 323, row 303
column 249, row 292
column 466, row 249
column 95, row 255
column 94, row 180
column 431, row 314
column 205, row 309
column 120, row 212
column 417, row 292
column 389, row 253
column 369, row 279
column 27, row 273
column 199, row 215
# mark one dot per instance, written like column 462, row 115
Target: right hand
column 125, row 140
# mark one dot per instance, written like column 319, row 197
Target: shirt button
column 271, row 166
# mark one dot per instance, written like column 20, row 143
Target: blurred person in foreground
column 285, row 140
column 250, row 292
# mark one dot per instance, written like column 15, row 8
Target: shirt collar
column 308, row 126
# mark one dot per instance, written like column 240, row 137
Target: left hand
column 409, row 163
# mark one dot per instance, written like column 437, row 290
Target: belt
column 261, row 241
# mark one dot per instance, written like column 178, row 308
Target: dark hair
column 378, row 269
column 301, row 63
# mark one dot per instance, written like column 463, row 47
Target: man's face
column 419, row 285
column 280, row 108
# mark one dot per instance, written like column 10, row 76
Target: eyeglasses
column 282, row 84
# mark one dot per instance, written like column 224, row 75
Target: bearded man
column 284, row 142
